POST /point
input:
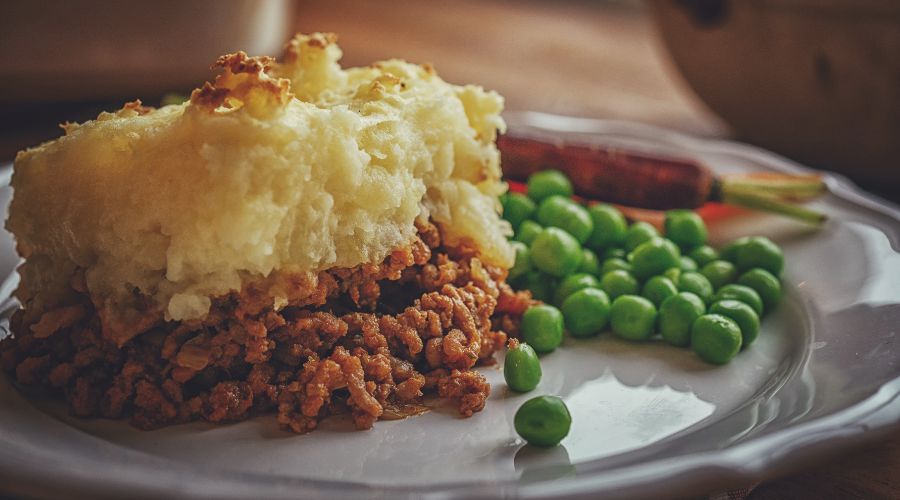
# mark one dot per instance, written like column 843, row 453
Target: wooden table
column 571, row 57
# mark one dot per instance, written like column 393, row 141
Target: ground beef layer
column 370, row 341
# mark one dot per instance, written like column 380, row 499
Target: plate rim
column 748, row 461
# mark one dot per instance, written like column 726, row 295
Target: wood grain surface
column 599, row 59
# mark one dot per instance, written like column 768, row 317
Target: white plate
column 647, row 418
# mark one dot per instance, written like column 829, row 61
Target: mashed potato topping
column 291, row 167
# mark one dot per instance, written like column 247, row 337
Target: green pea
column 517, row 209
column 687, row 264
column 590, row 264
column 528, row 231
column 695, row 283
column 761, row 252
column 609, row 226
column 676, row 316
column 703, row 255
column 638, row 233
column 715, row 338
column 614, row 264
column 729, row 251
column 766, row 285
column 559, row 211
column 632, row 317
column 613, row 253
column 743, row 315
column 543, row 421
column 556, row 252
column 540, row 285
column 616, row 283
column 521, row 367
column 657, row 289
column 547, row 183
column 572, row 283
column 685, row 228
column 586, row 312
column 523, row 260
column 654, row 256
column 673, row 274
column 719, row 273
column 542, row 327
column 741, row 293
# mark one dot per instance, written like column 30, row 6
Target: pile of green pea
column 594, row 272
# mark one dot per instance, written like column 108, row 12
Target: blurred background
column 815, row 80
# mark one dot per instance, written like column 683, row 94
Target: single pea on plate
column 556, row 252
column 586, row 312
column 716, row 338
column 677, row 315
column 632, row 317
column 548, row 183
column 543, row 421
column 521, row 367
column 542, row 327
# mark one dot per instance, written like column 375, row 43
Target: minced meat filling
column 369, row 341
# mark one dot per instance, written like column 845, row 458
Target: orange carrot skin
column 610, row 175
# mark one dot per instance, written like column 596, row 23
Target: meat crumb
column 371, row 341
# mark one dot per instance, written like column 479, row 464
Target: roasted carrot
column 654, row 182
column 611, row 175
